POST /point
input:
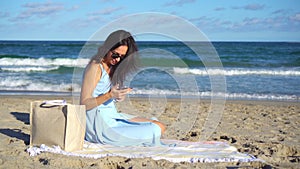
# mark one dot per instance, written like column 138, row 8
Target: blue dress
column 105, row 125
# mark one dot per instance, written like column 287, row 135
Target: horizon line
column 78, row 40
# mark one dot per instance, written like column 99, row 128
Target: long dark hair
column 128, row 64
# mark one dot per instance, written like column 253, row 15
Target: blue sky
column 219, row 20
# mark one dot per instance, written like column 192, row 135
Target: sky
column 218, row 20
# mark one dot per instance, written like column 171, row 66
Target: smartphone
column 124, row 87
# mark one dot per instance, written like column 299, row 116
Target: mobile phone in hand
column 124, row 87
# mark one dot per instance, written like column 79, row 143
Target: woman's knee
column 161, row 125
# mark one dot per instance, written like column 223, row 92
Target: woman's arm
column 91, row 77
column 142, row 119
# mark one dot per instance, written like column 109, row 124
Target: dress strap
column 103, row 69
column 101, row 66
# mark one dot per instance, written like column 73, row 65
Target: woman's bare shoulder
column 92, row 66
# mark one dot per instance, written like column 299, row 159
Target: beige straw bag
column 58, row 123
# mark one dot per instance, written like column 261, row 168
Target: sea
column 247, row 70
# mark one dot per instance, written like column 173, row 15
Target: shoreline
column 6, row 93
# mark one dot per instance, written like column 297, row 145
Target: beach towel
column 182, row 151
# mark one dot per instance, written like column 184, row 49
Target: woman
column 103, row 76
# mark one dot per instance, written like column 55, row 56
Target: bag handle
column 55, row 102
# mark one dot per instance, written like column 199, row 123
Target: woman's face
column 116, row 55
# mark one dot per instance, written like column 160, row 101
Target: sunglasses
column 115, row 55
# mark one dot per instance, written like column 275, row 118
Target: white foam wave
column 236, row 71
column 25, row 84
column 168, row 93
column 44, row 62
column 29, row 68
column 13, row 82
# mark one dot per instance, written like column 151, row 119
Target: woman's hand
column 119, row 94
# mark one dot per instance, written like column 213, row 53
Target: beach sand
column 268, row 130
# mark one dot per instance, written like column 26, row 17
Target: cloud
column 280, row 11
column 4, row 14
column 278, row 23
column 107, row 11
column 104, row 1
column 252, row 7
column 178, row 2
column 220, row 9
column 73, row 8
column 211, row 24
column 76, row 24
column 295, row 17
column 92, row 19
column 39, row 10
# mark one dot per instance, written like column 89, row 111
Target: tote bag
column 58, row 123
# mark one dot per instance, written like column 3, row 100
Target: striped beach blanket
column 182, row 151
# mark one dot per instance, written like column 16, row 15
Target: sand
column 268, row 130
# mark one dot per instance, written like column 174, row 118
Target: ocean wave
column 29, row 68
column 236, row 71
column 26, row 84
column 205, row 95
column 67, row 62
column 13, row 56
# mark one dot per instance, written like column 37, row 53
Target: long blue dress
column 105, row 125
